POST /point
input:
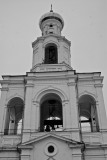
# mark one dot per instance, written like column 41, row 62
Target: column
column 73, row 105
column 66, row 115
column 3, row 108
column 74, row 111
column 6, row 120
column 35, row 119
column 27, row 111
column 101, row 113
column 101, row 108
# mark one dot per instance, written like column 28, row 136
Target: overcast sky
column 85, row 26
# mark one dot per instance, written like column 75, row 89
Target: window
column 51, row 25
column 51, row 56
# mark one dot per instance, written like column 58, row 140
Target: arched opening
column 51, row 55
column 13, row 121
column 88, row 114
column 51, row 113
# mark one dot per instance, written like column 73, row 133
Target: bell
column 47, row 128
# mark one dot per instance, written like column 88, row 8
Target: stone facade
column 52, row 112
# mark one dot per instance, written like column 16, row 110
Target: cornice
column 4, row 89
column 42, row 38
column 8, row 148
column 11, row 81
column 51, row 77
column 95, row 146
column 29, row 85
column 98, row 85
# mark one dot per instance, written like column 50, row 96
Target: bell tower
column 51, row 48
column 52, row 112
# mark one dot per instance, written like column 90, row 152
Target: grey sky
column 85, row 26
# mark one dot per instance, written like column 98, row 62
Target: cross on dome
column 51, row 8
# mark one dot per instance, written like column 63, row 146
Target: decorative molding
column 49, row 42
column 71, row 84
column 55, row 149
column 50, row 89
column 5, row 89
column 29, row 85
column 88, row 93
column 16, row 95
column 98, row 85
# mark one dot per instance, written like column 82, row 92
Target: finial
column 51, row 8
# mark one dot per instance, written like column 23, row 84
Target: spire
column 51, row 8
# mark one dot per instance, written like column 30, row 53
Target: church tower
column 52, row 112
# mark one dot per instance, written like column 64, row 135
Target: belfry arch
column 51, row 117
column 14, row 114
column 88, row 114
column 51, row 54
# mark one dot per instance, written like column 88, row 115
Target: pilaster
column 27, row 110
column 66, row 115
column 35, row 119
column 3, row 107
column 101, row 108
column 73, row 105
column 74, row 111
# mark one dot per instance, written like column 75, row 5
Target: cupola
column 51, row 23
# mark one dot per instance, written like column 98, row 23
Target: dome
column 51, row 15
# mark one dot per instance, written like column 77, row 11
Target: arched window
column 14, row 116
column 51, row 113
column 51, row 55
column 88, row 114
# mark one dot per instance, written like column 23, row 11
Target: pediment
column 29, row 144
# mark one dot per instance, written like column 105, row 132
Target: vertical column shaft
column 66, row 115
column 27, row 110
column 101, row 108
column 3, row 108
column 73, row 105
column 35, row 119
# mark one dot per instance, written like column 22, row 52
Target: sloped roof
column 28, row 144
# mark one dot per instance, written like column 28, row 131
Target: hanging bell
column 47, row 128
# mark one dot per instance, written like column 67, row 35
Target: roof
column 28, row 144
column 51, row 15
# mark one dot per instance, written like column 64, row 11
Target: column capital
column 36, row 103
column 65, row 102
